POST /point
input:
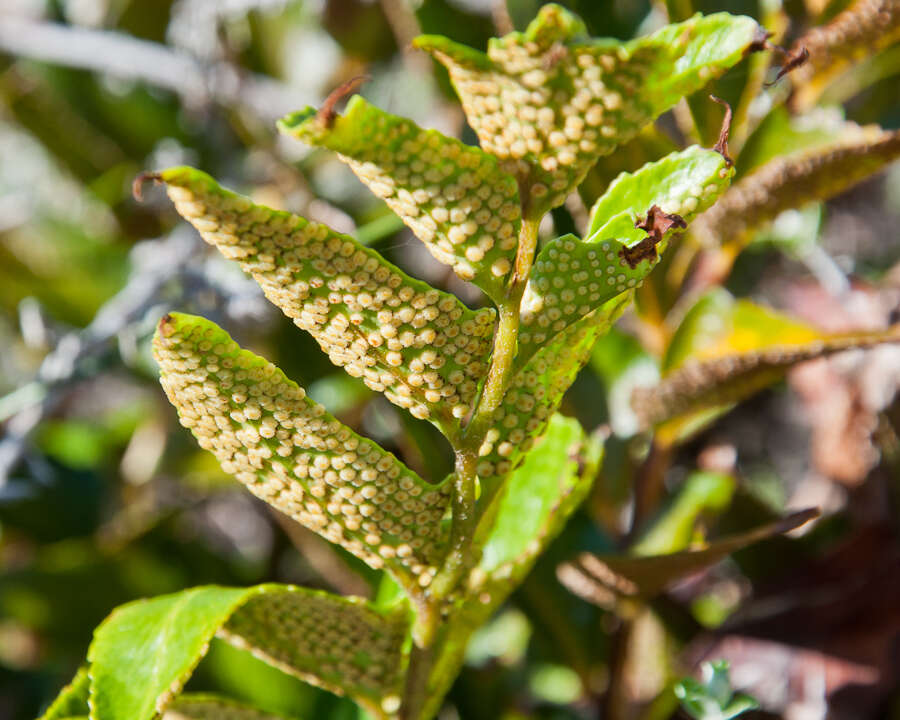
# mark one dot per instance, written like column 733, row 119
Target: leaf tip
column 721, row 145
column 137, row 185
column 327, row 112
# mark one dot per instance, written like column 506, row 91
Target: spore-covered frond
column 342, row 644
column 453, row 196
column 295, row 456
column 789, row 181
column 536, row 391
column 861, row 30
column 572, row 277
column 421, row 347
column 548, row 102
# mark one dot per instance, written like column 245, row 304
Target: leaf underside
column 548, row 102
column 453, row 196
column 539, row 498
column 419, row 346
column 209, row 707
column 292, row 454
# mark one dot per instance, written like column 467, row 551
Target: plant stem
column 505, row 337
column 415, row 692
column 463, row 527
column 458, row 559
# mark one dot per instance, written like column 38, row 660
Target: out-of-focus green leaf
column 726, row 350
column 860, row 31
column 144, row 652
column 604, row 577
column 453, row 196
column 403, row 337
column 702, row 492
column 209, row 707
column 294, row 455
column 572, row 277
column 713, row 699
column 72, row 699
column 548, row 102
column 790, row 180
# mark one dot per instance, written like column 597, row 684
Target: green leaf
column 143, row 653
column 602, row 578
column 292, row 454
column 818, row 172
column 453, row 196
column 702, row 492
column 420, row 347
column 210, row 707
column 538, row 499
column 535, row 493
column 725, row 350
column 713, row 699
column 572, row 277
column 548, row 102
column 535, row 393
column 72, row 699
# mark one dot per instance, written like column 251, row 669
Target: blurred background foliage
column 104, row 498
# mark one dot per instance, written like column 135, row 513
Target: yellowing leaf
column 420, row 347
column 548, row 102
column 724, row 351
column 292, row 454
column 453, row 196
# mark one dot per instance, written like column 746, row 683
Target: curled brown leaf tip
column 792, row 60
column 137, row 185
column 656, row 225
column 327, row 112
column 721, row 145
column 760, row 41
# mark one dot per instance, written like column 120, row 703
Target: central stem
column 465, row 519
column 495, row 385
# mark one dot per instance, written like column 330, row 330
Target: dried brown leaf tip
column 327, row 112
column 721, row 145
column 656, row 225
column 137, row 185
column 760, row 41
column 792, row 60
